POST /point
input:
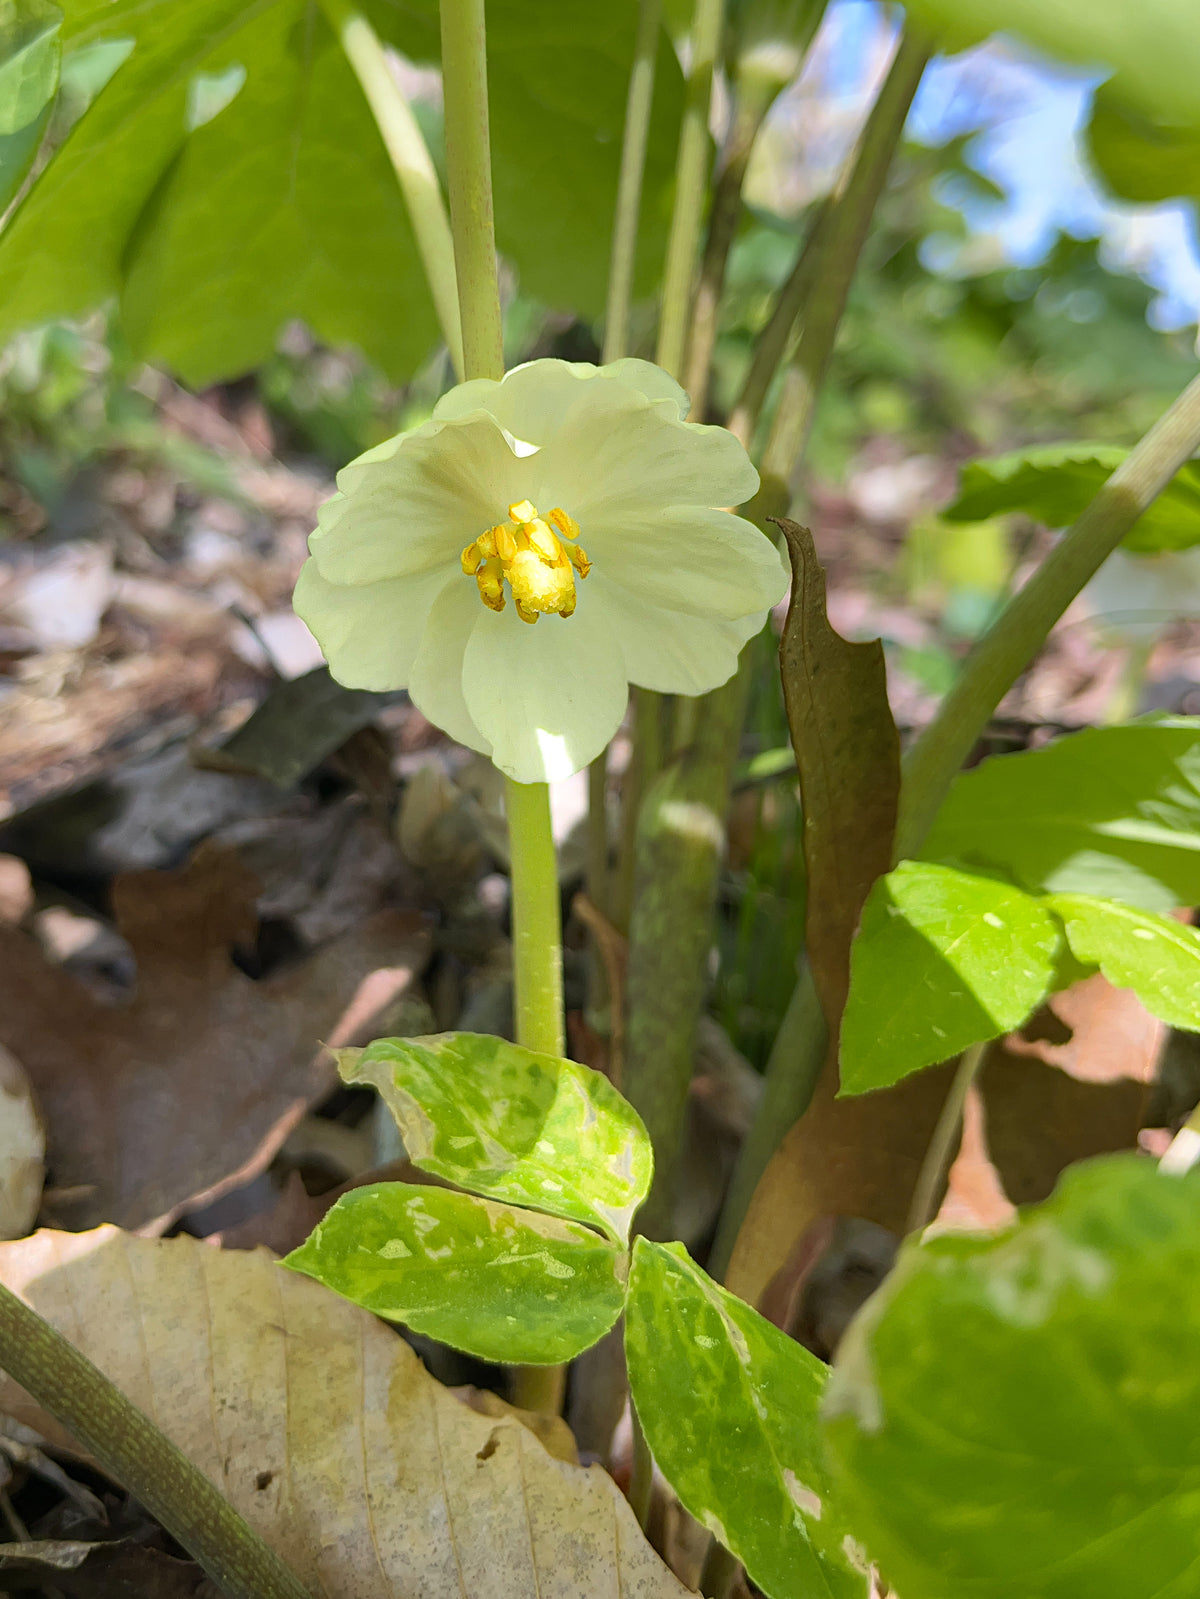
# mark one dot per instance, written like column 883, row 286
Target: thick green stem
column 411, row 159
column 1021, row 629
column 469, row 180
column 691, row 181
column 679, row 843
column 629, row 181
column 537, row 931
column 136, row 1454
column 842, row 240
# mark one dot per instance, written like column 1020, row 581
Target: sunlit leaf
column 1154, row 955
column 513, row 1125
column 501, row 1283
column 1113, row 811
column 728, row 1404
column 942, row 960
column 1016, row 1414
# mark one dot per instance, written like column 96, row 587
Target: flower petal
column 531, row 401
column 673, row 652
column 547, row 696
column 415, row 506
column 435, row 683
column 369, row 632
column 616, row 454
column 686, row 559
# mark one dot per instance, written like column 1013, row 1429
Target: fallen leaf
column 848, row 757
column 192, row 1086
column 118, row 1570
column 22, row 1150
column 327, row 1433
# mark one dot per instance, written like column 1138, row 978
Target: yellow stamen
column 529, row 554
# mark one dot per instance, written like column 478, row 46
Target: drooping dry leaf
column 327, row 1433
column 848, row 757
column 22, row 1150
column 194, row 1083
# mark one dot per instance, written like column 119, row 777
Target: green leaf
column 500, row 1283
column 1016, row 1415
column 1157, row 957
column 729, row 1406
column 1154, row 47
column 30, row 55
column 942, row 960
column 230, row 177
column 503, row 1121
column 1140, row 157
column 1113, row 811
column 1054, row 483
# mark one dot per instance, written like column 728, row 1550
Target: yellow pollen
column 530, row 554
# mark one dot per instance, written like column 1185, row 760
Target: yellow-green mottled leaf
column 501, row 1283
column 511, row 1124
column 729, row 1406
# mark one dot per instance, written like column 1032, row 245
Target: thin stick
column 943, row 1144
column 134, row 1452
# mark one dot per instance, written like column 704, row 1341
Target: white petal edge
column 531, row 401
column 618, row 455
column 548, row 696
column 673, row 652
column 690, row 558
column 435, row 683
column 419, row 505
column 369, row 633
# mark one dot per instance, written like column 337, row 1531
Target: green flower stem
column 931, row 1182
column 537, row 935
column 469, row 180
column 691, row 182
column 1020, row 630
column 842, row 238
column 136, row 1454
column 629, row 181
column 411, row 160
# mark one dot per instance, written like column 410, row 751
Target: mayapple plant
column 1011, row 1412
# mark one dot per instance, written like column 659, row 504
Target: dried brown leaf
column 848, row 757
column 192, row 1086
column 327, row 1433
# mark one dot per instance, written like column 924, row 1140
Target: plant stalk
column 629, row 181
column 412, row 162
column 536, row 914
column 942, row 1145
column 1021, row 629
column 691, row 180
column 140, row 1457
column 469, row 181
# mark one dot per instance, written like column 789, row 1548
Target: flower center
column 530, row 554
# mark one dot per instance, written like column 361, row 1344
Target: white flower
column 1134, row 597
column 451, row 561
